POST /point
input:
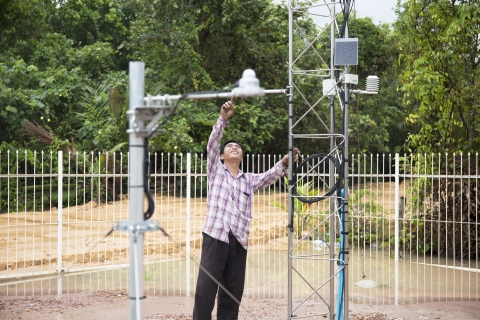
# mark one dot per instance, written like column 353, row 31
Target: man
column 225, row 235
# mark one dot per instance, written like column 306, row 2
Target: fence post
column 187, row 240
column 397, row 224
column 60, row 220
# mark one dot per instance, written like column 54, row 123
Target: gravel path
column 115, row 305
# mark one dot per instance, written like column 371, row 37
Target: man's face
column 232, row 151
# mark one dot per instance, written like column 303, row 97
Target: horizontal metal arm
column 171, row 99
column 156, row 107
column 275, row 91
column 363, row 92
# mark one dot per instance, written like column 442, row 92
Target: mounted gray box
column 346, row 52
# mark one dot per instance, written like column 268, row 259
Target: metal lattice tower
column 318, row 278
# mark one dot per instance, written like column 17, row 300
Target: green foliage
column 22, row 25
column 41, row 193
column 299, row 206
column 445, row 199
column 370, row 223
column 177, row 185
column 53, row 54
column 262, row 119
column 187, row 130
column 27, row 93
column 438, row 41
column 21, row 193
column 48, row 96
column 100, row 188
column 45, row 197
column 414, row 238
column 202, row 46
column 89, row 21
column 164, row 35
column 375, row 122
column 44, row 73
column 101, row 117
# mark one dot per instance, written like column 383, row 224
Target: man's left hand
column 296, row 153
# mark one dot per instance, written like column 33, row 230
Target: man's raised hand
column 227, row 110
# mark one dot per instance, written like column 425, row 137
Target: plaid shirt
column 229, row 205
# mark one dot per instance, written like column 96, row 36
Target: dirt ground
column 29, row 244
column 267, row 229
column 115, row 305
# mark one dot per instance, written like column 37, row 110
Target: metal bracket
column 151, row 113
column 135, row 228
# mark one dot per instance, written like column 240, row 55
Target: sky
column 378, row 10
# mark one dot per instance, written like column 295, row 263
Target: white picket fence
column 57, row 209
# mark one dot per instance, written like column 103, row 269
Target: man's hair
column 222, row 148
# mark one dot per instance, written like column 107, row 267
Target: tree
column 43, row 71
column 89, row 23
column 198, row 46
column 30, row 94
column 187, row 46
column 439, row 47
column 23, row 24
column 100, row 118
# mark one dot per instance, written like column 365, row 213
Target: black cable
column 307, row 168
column 146, row 176
column 346, row 6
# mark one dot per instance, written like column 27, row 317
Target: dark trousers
column 226, row 262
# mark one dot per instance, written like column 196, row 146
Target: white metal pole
column 346, row 195
column 136, row 164
column 291, row 204
column 187, row 238
column 331, row 169
column 60, row 221
column 397, row 224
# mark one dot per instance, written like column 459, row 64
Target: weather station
column 328, row 166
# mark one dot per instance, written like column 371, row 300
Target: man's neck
column 233, row 167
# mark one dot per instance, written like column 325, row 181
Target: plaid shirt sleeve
column 213, row 146
column 260, row 181
column 219, row 204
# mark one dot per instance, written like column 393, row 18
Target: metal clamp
column 136, row 228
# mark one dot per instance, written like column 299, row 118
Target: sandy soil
column 115, row 305
column 29, row 244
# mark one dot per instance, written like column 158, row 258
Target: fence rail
column 414, row 222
